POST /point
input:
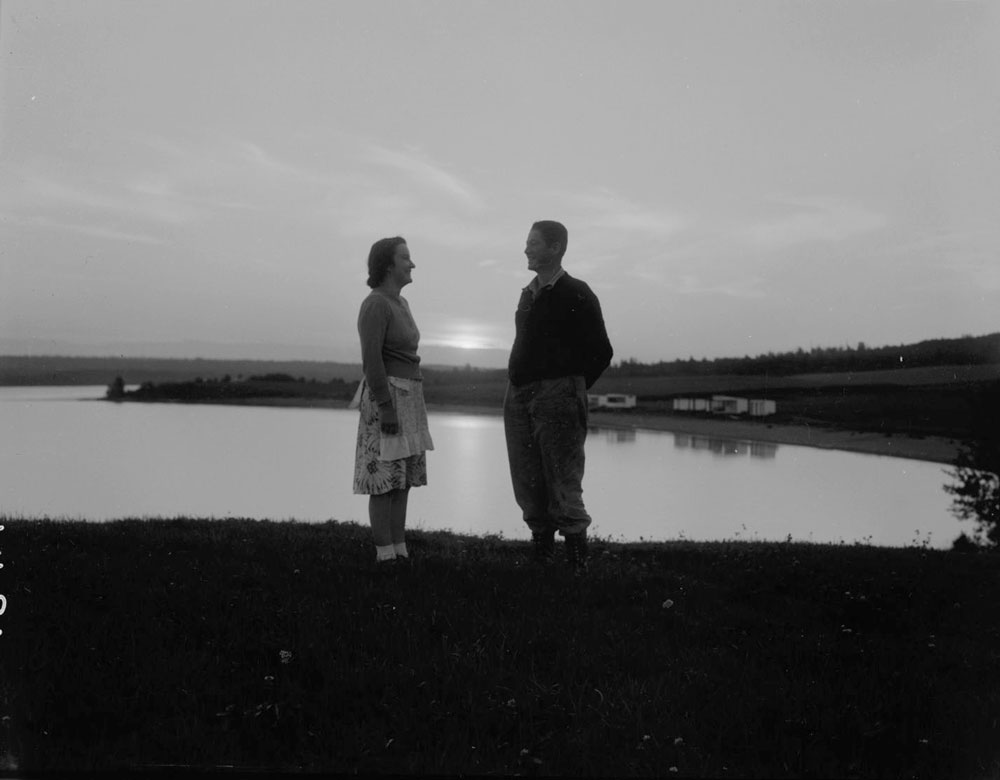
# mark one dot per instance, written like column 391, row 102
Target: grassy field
column 279, row 646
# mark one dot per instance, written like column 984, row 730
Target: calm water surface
column 61, row 456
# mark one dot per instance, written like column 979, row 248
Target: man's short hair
column 553, row 232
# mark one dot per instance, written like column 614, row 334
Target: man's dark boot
column 576, row 552
column 545, row 546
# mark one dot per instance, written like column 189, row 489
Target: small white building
column 611, row 401
column 727, row 404
column 760, row 407
column 691, row 405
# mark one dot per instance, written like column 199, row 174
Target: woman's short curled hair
column 380, row 259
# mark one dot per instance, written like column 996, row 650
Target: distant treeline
column 225, row 390
column 967, row 350
column 964, row 351
column 57, row 370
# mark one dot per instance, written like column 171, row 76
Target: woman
column 392, row 431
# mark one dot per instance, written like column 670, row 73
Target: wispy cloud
column 425, row 173
column 618, row 234
column 32, row 199
column 80, row 228
column 270, row 163
column 372, row 209
column 966, row 258
column 811, row 220
column 646, row 222
column 691, row 284
column 43, row 194
column 220, row 171
column 605, row 209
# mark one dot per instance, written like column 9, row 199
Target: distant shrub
column 116, row 390
column 964, row 544
column 976, row 490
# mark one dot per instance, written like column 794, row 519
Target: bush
column 977, row 474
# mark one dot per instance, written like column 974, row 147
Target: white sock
column 385, row 552
column 400, row 548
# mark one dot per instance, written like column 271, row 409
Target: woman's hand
column 388, row 421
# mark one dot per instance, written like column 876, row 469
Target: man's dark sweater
column 559, row 333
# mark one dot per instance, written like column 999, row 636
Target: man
column 560, row 349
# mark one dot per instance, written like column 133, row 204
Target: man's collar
column 536, row 287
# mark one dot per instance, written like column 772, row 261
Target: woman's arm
column 373, row 322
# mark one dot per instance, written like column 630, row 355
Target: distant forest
column 964, row 351
column 56, row 370
column 59, row 370
column 226, row 390
column 967, row 350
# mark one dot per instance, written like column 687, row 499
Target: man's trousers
column 546, row 427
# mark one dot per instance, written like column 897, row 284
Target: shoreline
column 935, row 449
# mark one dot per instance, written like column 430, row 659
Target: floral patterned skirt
column 383, row 463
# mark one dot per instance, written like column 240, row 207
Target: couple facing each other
column 560, row 349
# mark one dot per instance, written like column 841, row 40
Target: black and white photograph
column 500, row 387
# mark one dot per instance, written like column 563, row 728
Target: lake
column 66, row 453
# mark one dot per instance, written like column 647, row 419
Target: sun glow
column 462, row 335
column 464, row 342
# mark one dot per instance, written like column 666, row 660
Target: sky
column 204, row 178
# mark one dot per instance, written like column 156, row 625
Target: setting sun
column 464, row 342
column 463, row 334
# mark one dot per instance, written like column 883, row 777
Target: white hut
column 611, row 401
column 760, row 407
column 727, row 404
column 690, row 405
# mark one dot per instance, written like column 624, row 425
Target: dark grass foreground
column 257, row 645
